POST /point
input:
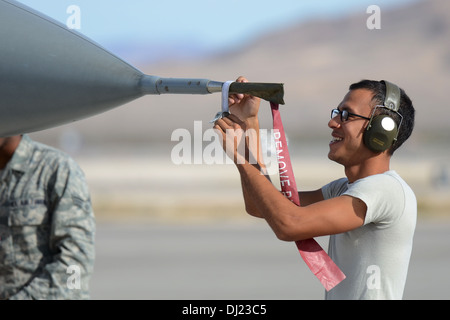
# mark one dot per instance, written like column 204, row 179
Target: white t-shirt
column 375, row 256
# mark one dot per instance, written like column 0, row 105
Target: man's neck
column 372, row 166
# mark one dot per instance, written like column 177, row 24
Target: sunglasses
column 345, row 114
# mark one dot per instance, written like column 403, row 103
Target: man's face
column 347, row 145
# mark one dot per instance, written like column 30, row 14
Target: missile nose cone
column 51, row 75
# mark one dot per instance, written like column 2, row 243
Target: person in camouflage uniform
column 47, row 224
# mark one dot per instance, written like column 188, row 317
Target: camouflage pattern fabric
column 47, row 226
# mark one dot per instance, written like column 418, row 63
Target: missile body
column 51, row 75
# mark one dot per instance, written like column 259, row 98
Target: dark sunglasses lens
column 344, row 115
column 334, row 113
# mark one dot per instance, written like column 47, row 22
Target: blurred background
column 317, row 49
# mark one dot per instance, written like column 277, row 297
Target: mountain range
column 316, row 60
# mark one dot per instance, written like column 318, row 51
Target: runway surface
column 228, row 261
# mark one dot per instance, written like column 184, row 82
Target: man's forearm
column 266, row 200
column 250, row 206
column 255, row 158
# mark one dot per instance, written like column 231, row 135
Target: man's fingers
column 223, row 124
column 231, row 122
column 233, row 118
column 237, row 97
column 241, row 79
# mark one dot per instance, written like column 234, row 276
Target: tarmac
column 226, row 260
column 176, row 232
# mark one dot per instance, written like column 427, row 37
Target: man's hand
column 245, row 107
column 240, row 130
column 234, row 139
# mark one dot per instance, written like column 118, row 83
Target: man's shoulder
column 46, row 151
column 389, row 180
column 335, row 188
column 41, row 154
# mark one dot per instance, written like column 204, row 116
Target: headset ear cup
column 380, row 133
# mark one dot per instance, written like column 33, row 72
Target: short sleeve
column 334, row 188
column 383, row 195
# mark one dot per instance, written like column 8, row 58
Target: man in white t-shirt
column 370, row 214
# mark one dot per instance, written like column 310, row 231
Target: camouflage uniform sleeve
column 72, row 234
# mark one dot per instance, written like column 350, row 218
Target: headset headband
column 392, row 100
column 379, row 134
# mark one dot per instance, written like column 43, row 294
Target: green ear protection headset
column 382, row 130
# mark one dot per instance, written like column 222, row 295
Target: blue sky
column 209, row 24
